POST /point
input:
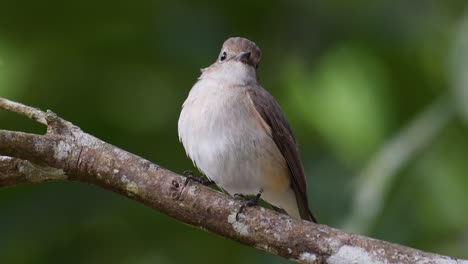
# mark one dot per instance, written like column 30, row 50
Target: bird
column 236, row 134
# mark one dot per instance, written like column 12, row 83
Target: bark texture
column 65, row 152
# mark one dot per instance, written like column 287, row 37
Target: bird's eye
column 223, row 56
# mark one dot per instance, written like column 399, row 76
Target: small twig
column 30, row 112
column 16, row 171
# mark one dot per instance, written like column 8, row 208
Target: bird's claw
column 191, row 177
column 239, row 196
column 248, row 203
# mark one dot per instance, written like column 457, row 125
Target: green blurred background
column 376, row 92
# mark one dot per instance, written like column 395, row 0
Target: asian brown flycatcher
column 237, row 135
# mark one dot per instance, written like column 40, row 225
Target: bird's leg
column 249, row 203
column 191, row 177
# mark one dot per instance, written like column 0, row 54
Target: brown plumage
column 283, row 136
column 237, row 134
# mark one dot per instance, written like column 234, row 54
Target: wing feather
column 271, row 113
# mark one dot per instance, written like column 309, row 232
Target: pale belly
column 229, row 145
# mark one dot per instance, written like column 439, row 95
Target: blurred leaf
column 425, row 210
column 443, row 173
column 345, row 98
column 12, row 70
column 378, row 176
column 459, row 67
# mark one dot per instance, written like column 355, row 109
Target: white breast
column 221, row 133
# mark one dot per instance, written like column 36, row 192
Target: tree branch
column 67, row 153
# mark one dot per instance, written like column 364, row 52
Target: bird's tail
column 309, row 216
column 287, row 203
column 304, row 210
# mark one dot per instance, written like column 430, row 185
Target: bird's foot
column 248, row 203
column 191, row 177
column 239, row 196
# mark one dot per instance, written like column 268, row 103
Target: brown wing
column 282, row 134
